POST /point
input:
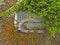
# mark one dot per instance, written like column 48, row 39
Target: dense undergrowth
column 47, row 10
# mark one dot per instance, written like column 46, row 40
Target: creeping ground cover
column 47, row 10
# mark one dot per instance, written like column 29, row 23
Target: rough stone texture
column 7, row 5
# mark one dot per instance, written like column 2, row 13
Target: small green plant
column 47, row 10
